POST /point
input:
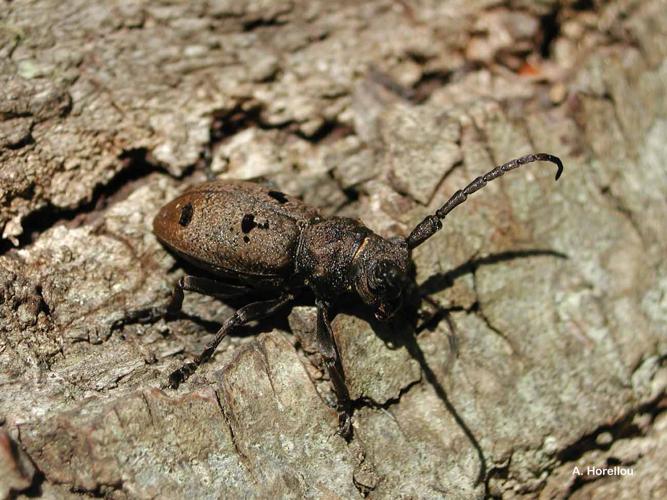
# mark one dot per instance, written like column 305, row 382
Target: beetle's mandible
column 250, row 239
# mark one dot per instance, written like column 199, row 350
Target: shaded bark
column 557, row 292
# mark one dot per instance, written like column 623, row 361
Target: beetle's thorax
column 326, row 252
column 341, row 255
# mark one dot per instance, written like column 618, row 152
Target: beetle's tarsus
column 177, row 377
column 143, row 317
column 345, row 424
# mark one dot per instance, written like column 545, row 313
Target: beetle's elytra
column 235, row 230
column 248, row 238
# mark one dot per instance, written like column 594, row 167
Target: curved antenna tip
column 559, row 164
column 548, row 157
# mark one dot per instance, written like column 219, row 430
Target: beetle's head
column 382, row 274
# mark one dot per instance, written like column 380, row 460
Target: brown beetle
column 251, row 239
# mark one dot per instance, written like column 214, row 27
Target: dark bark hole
column 582, row 5
column 550, row 25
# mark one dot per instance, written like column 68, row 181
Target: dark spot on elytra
column 277, row 195
column 246, row 239
column 186, row 215
column 248, row 223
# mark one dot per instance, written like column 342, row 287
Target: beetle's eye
column 386, row 279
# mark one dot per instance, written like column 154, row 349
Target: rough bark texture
column 379, row 110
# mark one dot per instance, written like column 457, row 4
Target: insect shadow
column 393, row 333
column 403, row 330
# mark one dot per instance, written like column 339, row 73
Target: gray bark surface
column 378, row 110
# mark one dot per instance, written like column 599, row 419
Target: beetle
column 248, row 239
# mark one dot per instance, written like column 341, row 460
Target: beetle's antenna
column 433, row 223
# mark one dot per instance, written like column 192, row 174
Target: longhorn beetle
column 249, row 238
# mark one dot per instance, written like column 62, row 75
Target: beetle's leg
column 453, row 334
column 327, row 347
column 427, row 318
column 438, row 313
column 250, row 312
column 198, row 284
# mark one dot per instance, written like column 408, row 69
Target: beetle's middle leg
column 247, row 313
column 198, row 284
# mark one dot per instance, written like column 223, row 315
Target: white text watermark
column 603, row 471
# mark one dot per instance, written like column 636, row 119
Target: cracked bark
column 380, row 112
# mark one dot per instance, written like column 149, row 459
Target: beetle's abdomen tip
column 172, row 217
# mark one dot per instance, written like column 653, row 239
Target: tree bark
column 378, row 110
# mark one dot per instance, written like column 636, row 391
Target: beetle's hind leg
column 247, row 313
column 172, row 309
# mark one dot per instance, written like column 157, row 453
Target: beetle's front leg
column 204, row 286
column 327, row 347
column 247, row 313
